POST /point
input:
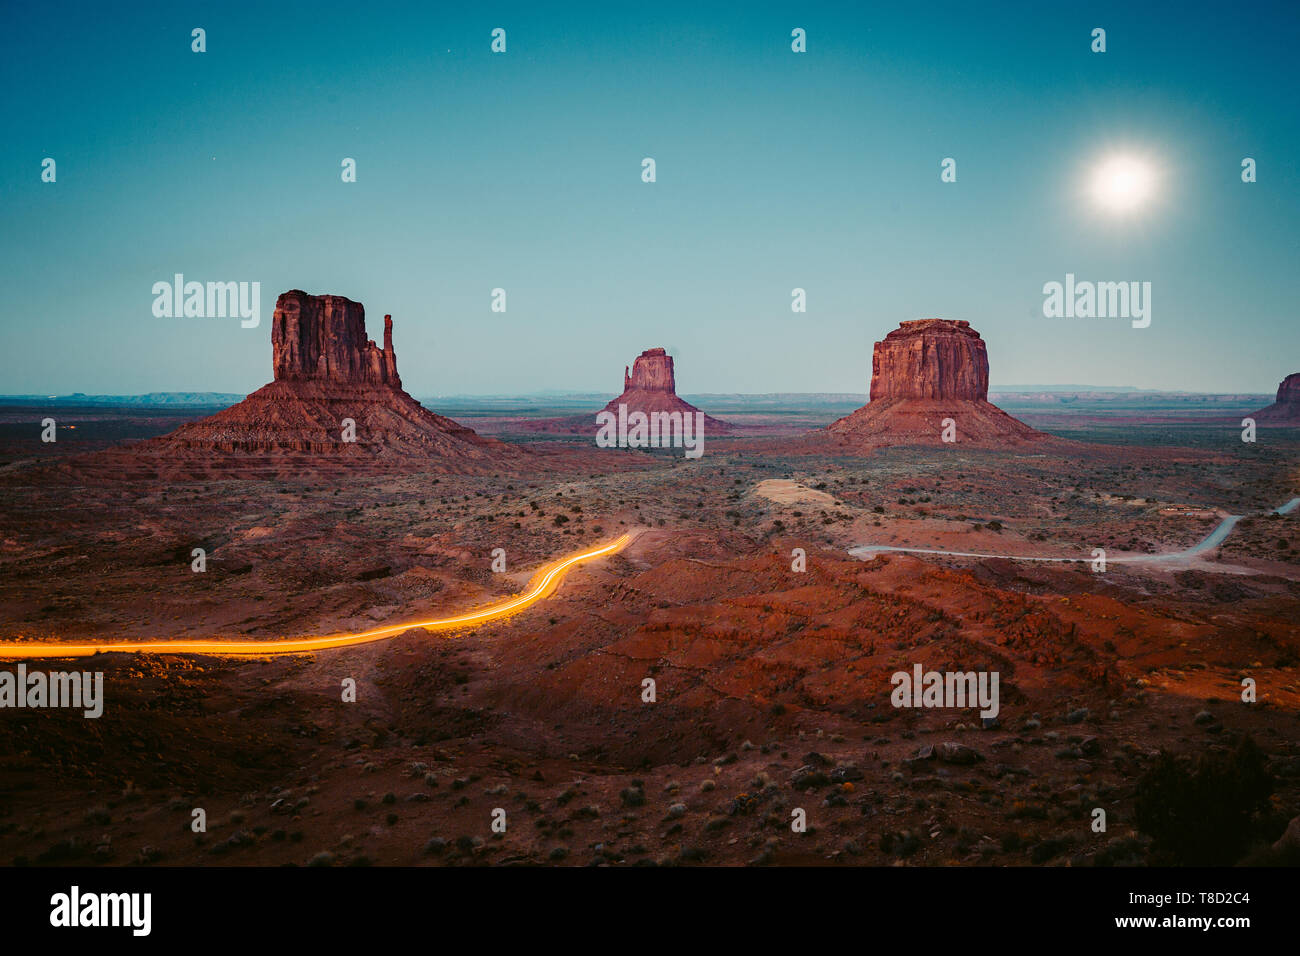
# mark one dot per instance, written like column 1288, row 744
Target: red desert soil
column 772, row 693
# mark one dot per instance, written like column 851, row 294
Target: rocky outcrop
column 323, row 338
column 649, row 386
column 652, row 371
column 1286, row 408
column 336, row 401
column 930, row 378
column 931, row 359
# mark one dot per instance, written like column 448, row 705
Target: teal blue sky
column 522, row 170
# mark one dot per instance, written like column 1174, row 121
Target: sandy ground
column 772, row 686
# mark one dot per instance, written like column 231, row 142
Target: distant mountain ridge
column 199, row 399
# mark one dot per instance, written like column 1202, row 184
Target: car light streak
column 541, row 586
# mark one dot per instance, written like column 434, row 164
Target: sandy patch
column 783, row 491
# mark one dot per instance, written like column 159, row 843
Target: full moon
column 1122, row 183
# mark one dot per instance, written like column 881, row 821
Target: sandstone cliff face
column 323, row 338
column 652, row 371
column 923, row 374
column 1286, row 408
column 1288, row 393
column 931, row 359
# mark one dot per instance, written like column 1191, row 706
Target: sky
column 522, row 170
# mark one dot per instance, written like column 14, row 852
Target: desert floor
column 772, row 685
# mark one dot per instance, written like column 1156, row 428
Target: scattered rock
column 955, row 753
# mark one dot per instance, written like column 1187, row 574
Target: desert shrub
column 1204, row 812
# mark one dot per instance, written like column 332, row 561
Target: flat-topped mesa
column 930, row 386
column 1286, row 408
column 652, row 371
column 323, row 338
column 931, row 359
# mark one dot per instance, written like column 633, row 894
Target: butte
column 922, row 373
column 1286, row 409
column 650, row 386
column 327, row 373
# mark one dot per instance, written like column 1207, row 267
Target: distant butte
column 649, row 386
column 1285, row 410
column 923, row 372
column 326, row 370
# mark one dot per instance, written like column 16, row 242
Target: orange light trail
column 542, row 585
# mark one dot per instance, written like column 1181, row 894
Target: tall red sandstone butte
column 323, row 338
column 327, row 372
column 923, row 372
column 1285, row 410
column 649, row 386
